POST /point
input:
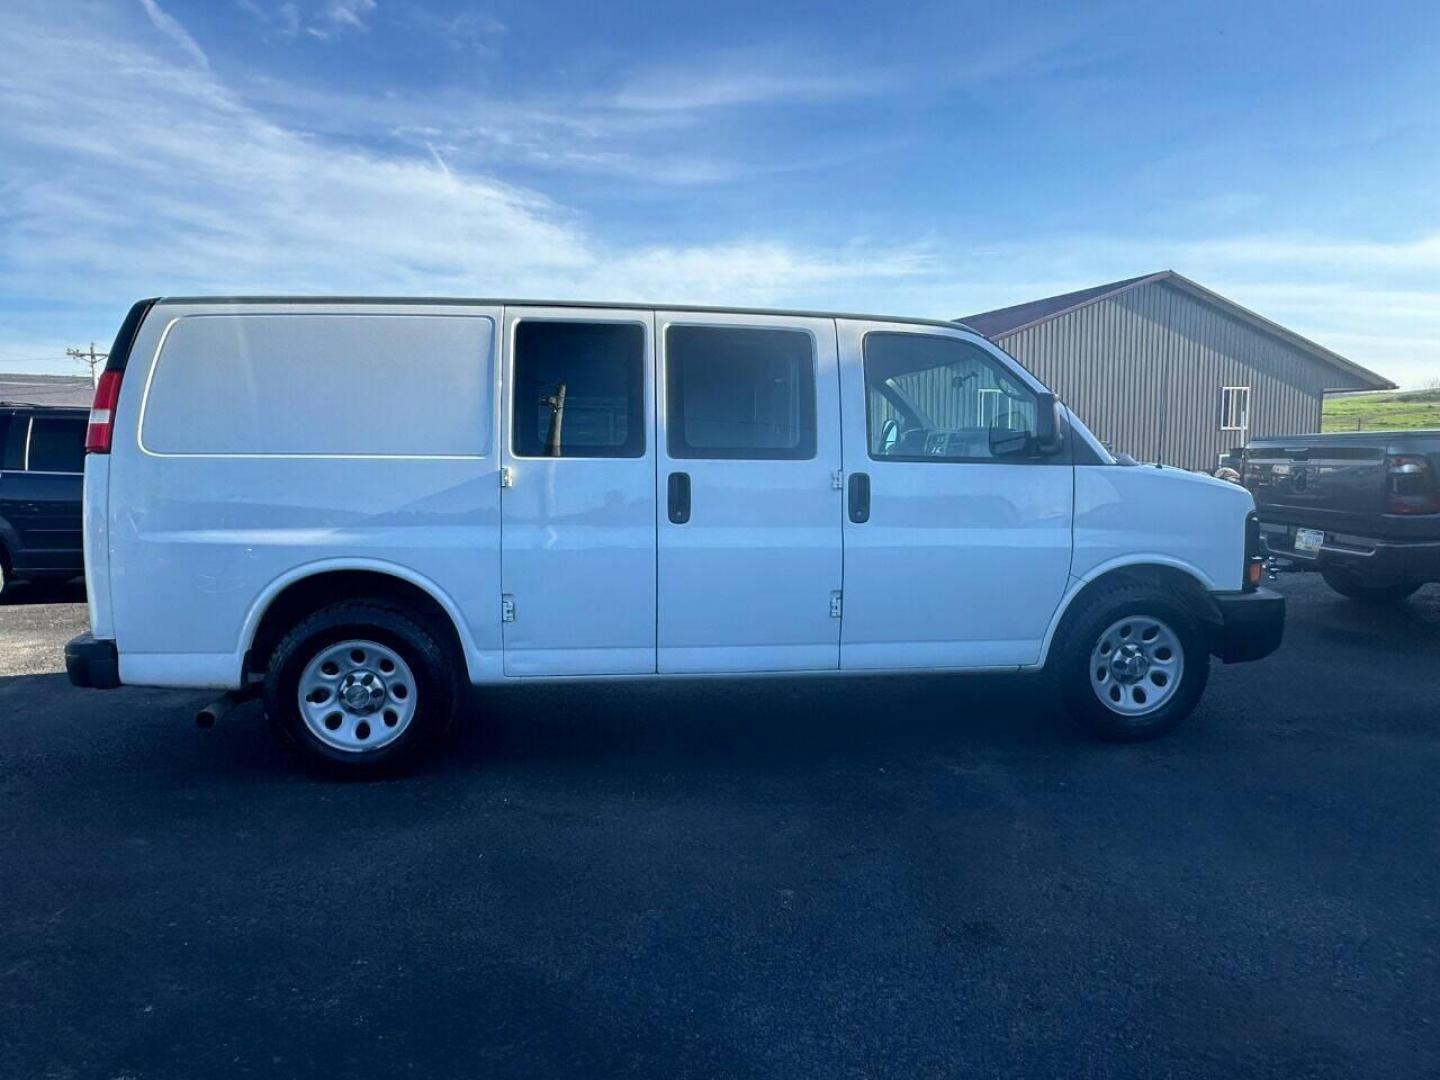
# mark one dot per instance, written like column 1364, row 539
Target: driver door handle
column 859, row 497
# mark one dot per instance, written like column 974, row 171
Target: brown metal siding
column 1144, row 370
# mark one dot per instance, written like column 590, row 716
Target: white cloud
column 323, row 22
column 1422, row 253
column 340, row 15
column 740, row 77
column 153, row 177
column 175, row 32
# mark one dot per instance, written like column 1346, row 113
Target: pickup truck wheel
column 1131, row 662
column 1367, row 590
column 360, row 689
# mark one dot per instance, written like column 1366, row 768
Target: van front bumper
column 1251, row 624
column 92, row 662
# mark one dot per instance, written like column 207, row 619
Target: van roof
column 501, row 301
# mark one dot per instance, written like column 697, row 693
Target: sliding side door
column 748, row 493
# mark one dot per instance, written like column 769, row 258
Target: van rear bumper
column 92, row 662
column 1251, row 624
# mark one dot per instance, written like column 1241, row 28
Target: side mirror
column 1046, row 439
column 1049, row 424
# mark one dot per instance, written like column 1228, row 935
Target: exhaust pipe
column 221, row 706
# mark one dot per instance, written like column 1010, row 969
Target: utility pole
column 91, row 357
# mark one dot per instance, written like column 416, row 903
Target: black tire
column 1080, row 633
column 1365, row 590
column 437, row 691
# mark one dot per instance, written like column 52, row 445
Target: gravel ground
column 36, row 619
column 905, row 877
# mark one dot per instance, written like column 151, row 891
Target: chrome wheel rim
column 1136, row 665
column 357, row 696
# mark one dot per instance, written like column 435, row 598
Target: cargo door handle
column 679, row 492
column 859, row 497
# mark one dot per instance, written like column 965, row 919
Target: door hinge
column 836, row 603
column 507, row 608
column 837, row 479
column 507, row 478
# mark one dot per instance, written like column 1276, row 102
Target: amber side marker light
column 1253, row 573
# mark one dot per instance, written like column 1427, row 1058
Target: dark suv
column 42, row 473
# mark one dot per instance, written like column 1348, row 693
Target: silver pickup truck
column 1361, row 507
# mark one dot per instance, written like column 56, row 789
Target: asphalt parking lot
column 858, row 878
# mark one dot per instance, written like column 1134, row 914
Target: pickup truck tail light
column 101, row 428
column 1411, row 485
column 1254, row 553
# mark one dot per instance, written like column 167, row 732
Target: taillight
column 1254, row 569
column 1249, row 476
column 102, row 414
column 1410, row 483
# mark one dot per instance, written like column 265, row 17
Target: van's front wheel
column 1131, row 662
column 360, row 688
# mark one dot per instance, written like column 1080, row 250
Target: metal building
column 1166, row 370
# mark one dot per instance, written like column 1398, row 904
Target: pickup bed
column 1363, row 508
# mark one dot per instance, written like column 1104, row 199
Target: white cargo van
column 364, row 505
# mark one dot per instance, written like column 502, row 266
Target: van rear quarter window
column 278, row 384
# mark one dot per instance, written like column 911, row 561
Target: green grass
column 1398, row 410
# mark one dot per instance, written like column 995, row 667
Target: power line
column 93, row 358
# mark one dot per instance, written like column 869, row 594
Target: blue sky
column 920, row 158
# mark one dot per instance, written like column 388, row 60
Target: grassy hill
column 1393, row 411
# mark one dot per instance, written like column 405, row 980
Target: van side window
column 57, row 445
column 932, row 398
column 579, row 389
column 739, row 392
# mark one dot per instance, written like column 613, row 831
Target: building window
column 1234, row 408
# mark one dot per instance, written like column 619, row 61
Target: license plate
column 1308, row 541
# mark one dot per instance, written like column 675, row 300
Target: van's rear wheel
column 361, row 688
column 1131, row 662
